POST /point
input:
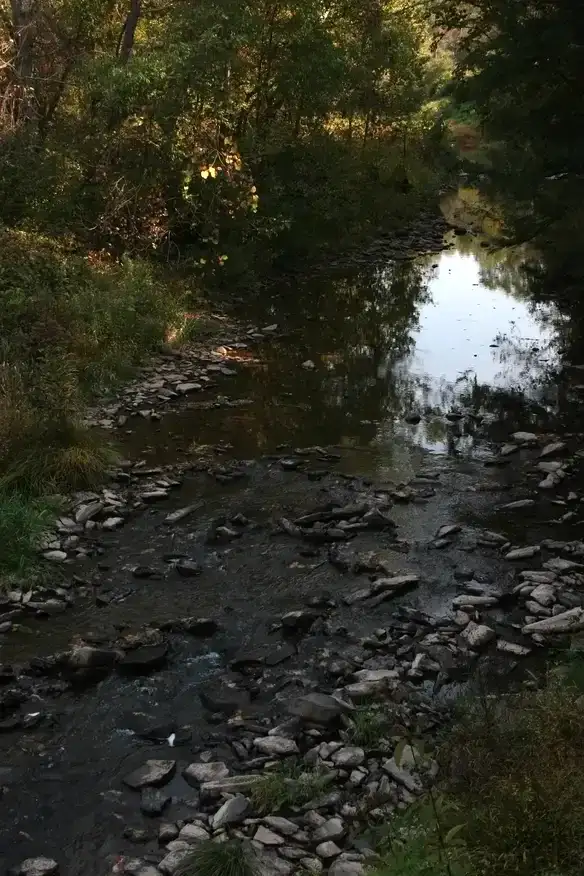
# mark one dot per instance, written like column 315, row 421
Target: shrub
column 515, row 768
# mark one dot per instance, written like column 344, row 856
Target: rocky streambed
column 238, row 609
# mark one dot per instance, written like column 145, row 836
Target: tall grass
column 23, row 522
column 230, row 858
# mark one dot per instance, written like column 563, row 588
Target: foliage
column 209, row 858
column 369, row 726
column 514, row 766
column 23, row 522
column 288, row 785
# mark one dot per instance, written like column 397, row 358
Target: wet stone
column 197, row 773
column 232, row 812
column 167, row 833
column 38, row 867
column 153, row 772
column 153, row 802
column 318, row 708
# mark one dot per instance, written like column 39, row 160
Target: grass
column 23, row 522
column 369, row 726
column 287, row 786
column 209, row 858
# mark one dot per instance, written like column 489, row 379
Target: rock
column 301, row 620
column 153, row 772
column 285, row 652
column 545, row 594
column 518, row 505
column 477, row 635
column 193, row 833
column 448, row 529
column 523, row 553
column 319, row 708
column 343, row 867
column 188, row 387
column 549, row 467
column 412, row 419
column 167, row 833
column 348, row 757
column 309, row 365
column 141, row 661
column 153, row 802
column 524, row 437
column 327, row 850
column 188, row 568
column 267, row 837
column 512, row 648
column 469, row 601
column 312, row 865
column 281, row 825
column 111, row 523
column 276, row 745
column 508, row 449
column 171, row 863
column 55, row 557
column 567, row 621
column 87, row 657
column 198, row 773
column 232, row 812
column 331, row 830
column 229, row 785
column 553, row 448
column 136, row 867
column 290, row 464
column 224, row 698
column 181, row 513
column 402, row 777
column 38, row 867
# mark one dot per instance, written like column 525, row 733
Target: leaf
column 453, row 833
column 205, row 174
column 399, row 751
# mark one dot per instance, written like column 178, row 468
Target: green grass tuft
column 369, row 726
column 209, row 858
column 23, row 522
column 287, row 786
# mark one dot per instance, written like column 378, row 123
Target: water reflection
column 440, row 334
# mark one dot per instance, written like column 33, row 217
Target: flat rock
column 477, row 635
column 87, row 657
column 567, row 621
column 545, row 594
column 524, row 437
column 512, row 648
column 281, row 825
column 153, row 802
column 38, row 867
column 267, row 837
column 553, row 448
column 193, row 833
column 524, row 553
column 332, row 829
column 171, row 863
column 348, row 757
column 402, row 777
column 232, row 812
column 518, row 505
column 343, row 867
column 471, row 600
column 141, row 661
column 153, row 772
column 276, row 745
column 319, row 708
column 198, row 773
column 229, row 785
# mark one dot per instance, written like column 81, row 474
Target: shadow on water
column 430, row 336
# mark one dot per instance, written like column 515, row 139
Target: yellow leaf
column 212, row 172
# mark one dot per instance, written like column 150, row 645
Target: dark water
column 440, row 334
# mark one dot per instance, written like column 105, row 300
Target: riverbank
column 378, row 564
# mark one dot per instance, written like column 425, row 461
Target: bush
column 515, row 767
column 23, row 522
column 71, row 326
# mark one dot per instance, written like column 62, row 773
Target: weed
column 287, row 785
column 231, row 858
column 514, row 768
column 23, row 522
column 369, row 726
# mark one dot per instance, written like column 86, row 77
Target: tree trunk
column 126, row 41
column 24, row 105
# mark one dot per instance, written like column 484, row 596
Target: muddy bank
column 379, row 545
